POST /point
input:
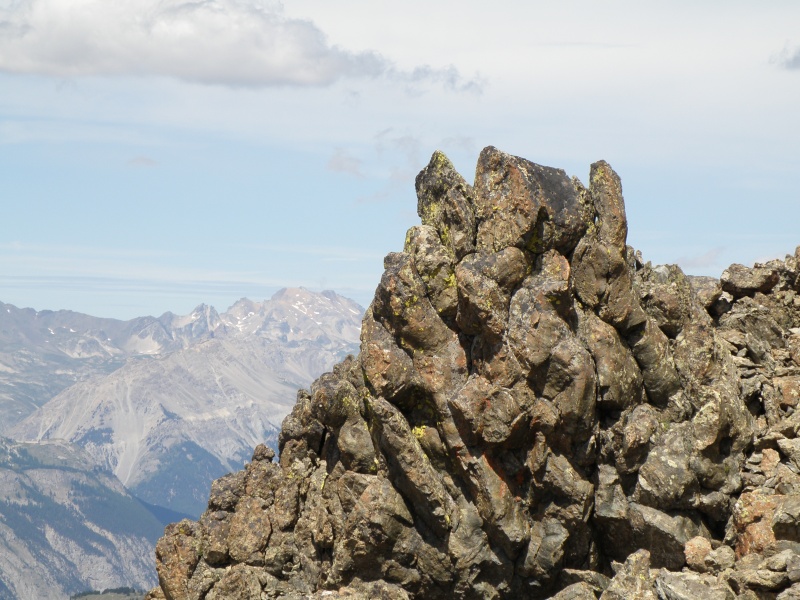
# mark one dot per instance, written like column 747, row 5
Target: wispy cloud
column 401, row 154
column 242, row 43
column 788, row 58
column 20, row 262
column 343, row 162
column 325, row 253
column 450, row 78
column 702, row 261
column 585, row 44
column 133, row 284
column 459, row 142
column 25, row 130
column 18, row 259
column 128, row 297
column 142, row 161
column 141, row 281
column 14, row 251
column 407, row 145
column 108, row 272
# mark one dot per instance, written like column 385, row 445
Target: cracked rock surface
column 535, row 412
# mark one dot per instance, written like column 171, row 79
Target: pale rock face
column 535, row 412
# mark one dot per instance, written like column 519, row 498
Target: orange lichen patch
column 696, row 550
column 771, row 459
column 788, row 390
column 752, row 516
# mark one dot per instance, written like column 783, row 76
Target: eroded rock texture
column 534, row 413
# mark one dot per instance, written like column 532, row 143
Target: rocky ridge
column 535, row 412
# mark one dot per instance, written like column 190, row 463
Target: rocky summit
column 535, row 412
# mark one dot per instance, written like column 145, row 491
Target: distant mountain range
column 165, row 404
column 44, row 352
column 196, row 394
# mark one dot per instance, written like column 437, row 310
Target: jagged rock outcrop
column 535, row 412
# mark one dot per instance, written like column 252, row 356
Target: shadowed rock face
column 534, row 413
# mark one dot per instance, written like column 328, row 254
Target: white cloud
column 245, row 43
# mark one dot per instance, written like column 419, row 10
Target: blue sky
column 157, row 154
